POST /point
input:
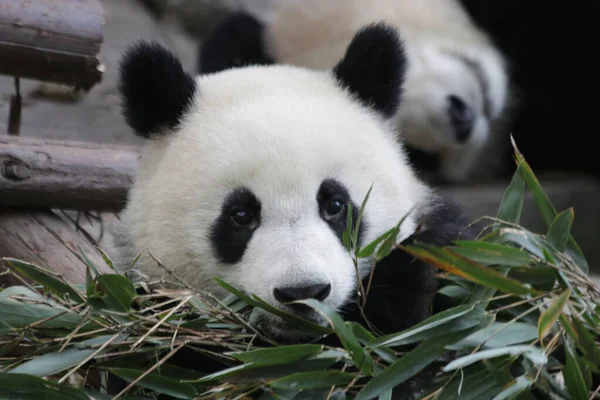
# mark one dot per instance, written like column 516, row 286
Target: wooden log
column 52, row 40
column 48, row 240
column 37, row 173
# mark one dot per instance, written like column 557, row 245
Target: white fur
column 315, row 34
column 279, row 131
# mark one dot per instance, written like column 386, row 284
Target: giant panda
column 457, row 99
column 247, row 174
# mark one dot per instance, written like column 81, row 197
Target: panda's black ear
column 236, row 42
column 155, row 89
column 374, row 67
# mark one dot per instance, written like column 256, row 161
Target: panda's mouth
column 284, row 331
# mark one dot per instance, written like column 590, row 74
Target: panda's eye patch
column 232, row 230
column 333, row 199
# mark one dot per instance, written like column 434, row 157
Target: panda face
column 253, row 182
column 451, row 100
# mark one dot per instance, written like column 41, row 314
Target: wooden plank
column 36, row 173
column 52, row 40
column 69, row 26
column 47, row 240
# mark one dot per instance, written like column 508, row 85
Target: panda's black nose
column 293, row 293
column 462, row 117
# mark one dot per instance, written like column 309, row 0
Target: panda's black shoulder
column 402, row 287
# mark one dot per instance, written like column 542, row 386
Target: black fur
column 155, row 89
column 228, row 239
column 402, row 287
column 235, row 42
column 374, row 68
column 330, row 188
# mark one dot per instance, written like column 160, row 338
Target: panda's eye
column 242, row 217
column 334, row 207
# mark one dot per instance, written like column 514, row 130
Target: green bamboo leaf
column 250, row 372
column 411, row 364
column 29, row 387
column 447, row 321
column 488, row 253
column 361, row 212
column 369, row 249
column 573, row 377
column 157, row 383
column 540, row 278
column 530, row 242
column 312, row 380
column 519, row 385
column 445, row 259
column 119, row 291
column 512, row 202
column 46, row 278
column 585, row 341
column 498, row 334
column 347, row 235
column 365, row 337
column 388, row 245
column 55, row 362
column 278, row 355
column 549, row 317
column 454, row 292
column 256, row 301
column 547, row 210
column 20, row 314
column 361, row 358
column 560, row 229
column 536, row 355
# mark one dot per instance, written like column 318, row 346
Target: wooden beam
column 37, row 173
column 52, row 40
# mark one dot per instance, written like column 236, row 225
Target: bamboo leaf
column 547, row 210
column 549, row 317
column 534, row 354
column 255, row 301
column 312, row 380
column 55, row 362
column 560, row 229
column 119, row 291
column 573, row 377
column 517, row 386
column 361, row 358
column 498, row 334
column 410, row 364
column 278, row 355
column 157, row 383
column 488, row 253
column 46, row 278
column 512, row 202
column 448, row 261
column 444, row 322
column 369, row 249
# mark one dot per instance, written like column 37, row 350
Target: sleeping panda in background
column 247, row 175
column 454, row 114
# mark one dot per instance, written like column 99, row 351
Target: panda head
column 247, row 174
column 452, row 98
